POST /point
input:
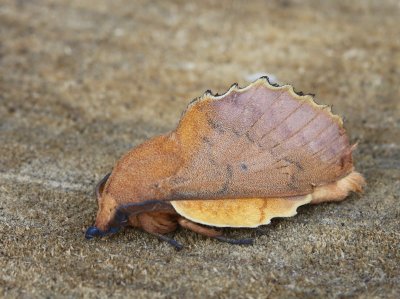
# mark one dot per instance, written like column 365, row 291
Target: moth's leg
column 248, row 241
column 158, row 224
column 205, row 231
column 212, row 233
column 178, row 246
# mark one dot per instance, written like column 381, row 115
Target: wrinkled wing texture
column 259, row 141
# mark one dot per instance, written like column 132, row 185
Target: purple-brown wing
column 259, row 141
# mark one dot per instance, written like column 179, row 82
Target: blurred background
column 81, row 82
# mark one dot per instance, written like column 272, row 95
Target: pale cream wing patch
column 244, row 212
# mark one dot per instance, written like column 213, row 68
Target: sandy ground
column 81, row 82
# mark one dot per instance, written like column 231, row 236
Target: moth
column 234, row 160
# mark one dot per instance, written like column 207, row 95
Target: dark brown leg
column 212, row 233
column 154, row 217
column 249, row 241
column 178, row 246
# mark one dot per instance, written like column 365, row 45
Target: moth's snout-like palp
column 111, row 227
column 93, row 231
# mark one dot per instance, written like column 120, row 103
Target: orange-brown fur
column 339, row 190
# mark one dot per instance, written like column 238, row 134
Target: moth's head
column 107, row 215
column 106, row 222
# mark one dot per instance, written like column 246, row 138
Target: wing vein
column 283, row 121
column 299, row 130
column 277, row 99
column 283, row 154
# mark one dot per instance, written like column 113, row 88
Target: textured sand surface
column 81, row 82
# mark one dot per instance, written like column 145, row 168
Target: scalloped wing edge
column 264, row 80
